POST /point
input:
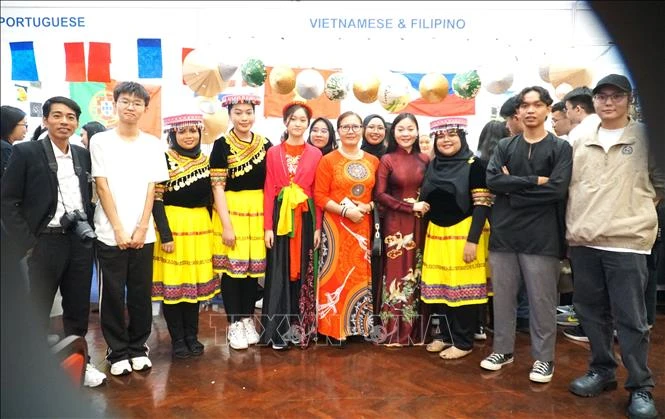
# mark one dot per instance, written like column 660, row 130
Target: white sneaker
column 121, row 367
column 93, row 377
column 251, row 334
column 258, row 304
column 236, row 336
column 141, row 363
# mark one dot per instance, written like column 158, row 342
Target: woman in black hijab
column 374, row 135
column 454, row 275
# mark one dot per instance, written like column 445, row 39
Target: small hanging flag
column 24, row 66
column 150, row 58
column 75, row 61
column 99, row 61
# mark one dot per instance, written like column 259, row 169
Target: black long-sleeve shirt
column 527, row 217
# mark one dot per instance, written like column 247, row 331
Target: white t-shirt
column 128, row 166
column 586, row 126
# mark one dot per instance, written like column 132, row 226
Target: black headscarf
column 450, row 174
column 192, row 153
column 379, row 149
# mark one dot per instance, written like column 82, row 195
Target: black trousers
column 182, row 320
column 609, row 292
column 457, row 325
column 239, row 296
column 129, row 269
column 62, row 260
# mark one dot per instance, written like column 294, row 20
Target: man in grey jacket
column 611, row 226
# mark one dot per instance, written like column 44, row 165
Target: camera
column 77, row 222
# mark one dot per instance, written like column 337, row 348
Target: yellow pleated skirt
column 446, row 278
column 186, row 274
column 248, row 257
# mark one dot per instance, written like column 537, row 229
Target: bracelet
column 343, row 213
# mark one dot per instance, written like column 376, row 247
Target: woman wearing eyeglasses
column 322, row 135
column 401, row 172
column 454, row 276
column 343, row 188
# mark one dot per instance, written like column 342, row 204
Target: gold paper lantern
column 433, row 87
column 215, row 119
column 366, row 88
column 282, row 79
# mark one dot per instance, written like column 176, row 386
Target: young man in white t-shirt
column 126, row 164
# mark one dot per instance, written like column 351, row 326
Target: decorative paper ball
column 544, row 71
column 433, row 87
column 562, row 90
column 466, row 85
column 309, row 84
column 337, row 86
column 282, row 79
column 496, row 82
column 253, row 72
column 366, row 88
column 393, row 93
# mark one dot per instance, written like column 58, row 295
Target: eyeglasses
column 24, row 125
column 615, row 97
column 323, row 131
column 450, row 132
column 347, row 128
column 127, row 103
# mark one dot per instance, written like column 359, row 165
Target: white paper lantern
column 394, row 92
column 562, row 90
column 309, row 84
column 337, row 86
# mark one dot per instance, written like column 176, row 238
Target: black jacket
column 527, row 217
column 29, row 194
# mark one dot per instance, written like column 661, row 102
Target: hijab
column 192, row 153
column 379, row 149
column 450, row 174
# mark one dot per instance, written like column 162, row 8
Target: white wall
column 522, row 35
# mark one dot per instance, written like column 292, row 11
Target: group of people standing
column 371, row 241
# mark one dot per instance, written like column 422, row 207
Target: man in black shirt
column 529, row 174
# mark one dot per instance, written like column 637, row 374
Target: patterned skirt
column 446, row 278
column 186, row 274
column 248, row 256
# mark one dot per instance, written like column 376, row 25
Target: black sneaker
column 495, row 361
column 641, row 405
column 180, row 349
column 542, row 371
column 576, row 333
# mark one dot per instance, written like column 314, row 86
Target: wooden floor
column 361, row 380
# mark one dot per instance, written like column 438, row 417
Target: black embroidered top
column 238, row 165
